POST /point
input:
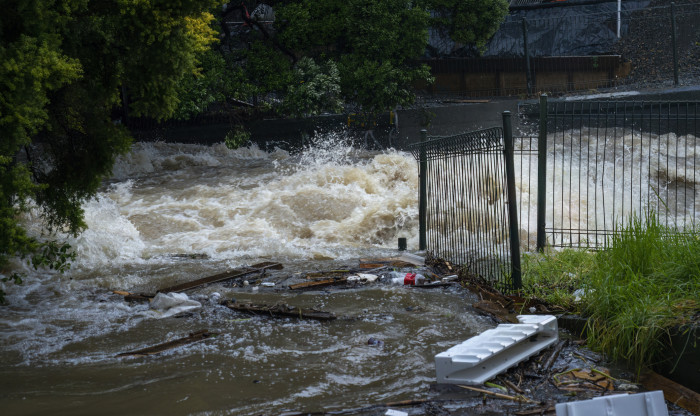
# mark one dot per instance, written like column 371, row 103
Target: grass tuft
column 645, row 284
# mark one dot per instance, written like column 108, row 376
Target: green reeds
column 645, row 284
column 553, row 277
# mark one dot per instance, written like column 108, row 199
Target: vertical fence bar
column 673, row 44
column 542, row 174
column 422, row 193
column 528, row 75
column 619, row 8
column 512, row 203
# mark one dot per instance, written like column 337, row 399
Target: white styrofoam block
column 641, row 404
column 392, row 412
column 482, row 357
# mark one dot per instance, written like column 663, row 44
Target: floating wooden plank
column 318, row 283
column 228, row 275
column 372, row 265
column 434, row 285
column 156, row 349
column 327, row 274
column 404, row 260
column 280, row 310
column 133, row 297
column 673, row 392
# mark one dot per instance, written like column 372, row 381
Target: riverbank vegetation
column 633, row 294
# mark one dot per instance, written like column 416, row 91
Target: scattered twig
column 512, row 386
column 537, row 411
column 194, row 337
column 555, row 354
column 519, row 398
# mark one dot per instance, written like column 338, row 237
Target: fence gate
column 468, row 212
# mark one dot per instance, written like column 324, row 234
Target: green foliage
column 645, row 284
column 470, row 22
column 237, row 137
column 65, row 67
column 373, row 44
column 316, row 88
column 554, row 276
column 267, row 69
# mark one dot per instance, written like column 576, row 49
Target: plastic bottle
column 414, row 279
column 408, row 279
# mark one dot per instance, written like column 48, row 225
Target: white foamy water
column 169, row 203
column 597, row 183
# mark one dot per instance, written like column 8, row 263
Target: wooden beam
column 280, row 310
column 673, row 392
column 228, row 275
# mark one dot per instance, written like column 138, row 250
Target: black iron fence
column 579, row 47
column 467, row 202
column 594, row 166
column 604, row 162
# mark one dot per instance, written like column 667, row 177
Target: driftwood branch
column 519, row 399
column 280, row 310
column 193, row 337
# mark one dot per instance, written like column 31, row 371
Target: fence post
column 512, row 202
column 542, row 174
column 673, row 44
column 422, row 192
column 528, row 75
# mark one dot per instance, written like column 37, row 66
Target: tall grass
column 553, row 277
column 646, row 283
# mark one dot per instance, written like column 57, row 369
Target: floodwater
column 175, row 212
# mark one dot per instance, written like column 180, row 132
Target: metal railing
column 594, row 167
column 607, row 161
column 467, row 211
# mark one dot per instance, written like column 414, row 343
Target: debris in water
column 318, row 283
column 375, row 342
column 674, row 392
column 480, row 358
column 193, row 337
column 133, row 297
column 280, row 310
column 228, row 275
column 649, row 403
column 171, row 304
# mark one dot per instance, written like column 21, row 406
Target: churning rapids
column 320, row 209
column 172, row 213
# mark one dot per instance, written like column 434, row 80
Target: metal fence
column 558, row 49
column 594, row 167
column 467, row 202
column 598, row 164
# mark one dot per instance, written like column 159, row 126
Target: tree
column 67, row 67
column 470, row 22
column 375, row 45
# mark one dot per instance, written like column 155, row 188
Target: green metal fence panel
column 466, row 203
